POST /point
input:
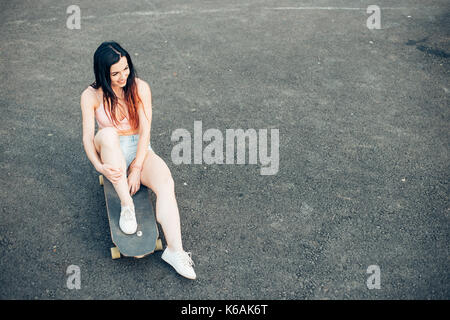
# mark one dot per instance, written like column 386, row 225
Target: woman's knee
column 166, row 185
column 107, row 137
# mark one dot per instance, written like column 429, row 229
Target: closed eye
column 115, row 73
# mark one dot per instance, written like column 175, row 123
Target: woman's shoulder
column 142, row 84
column 143, row 87
column 90, row 91
column 91, row 96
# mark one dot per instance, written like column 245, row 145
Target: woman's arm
column 145, row 120
column 88, row 102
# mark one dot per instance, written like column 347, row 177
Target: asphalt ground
column 363, row 120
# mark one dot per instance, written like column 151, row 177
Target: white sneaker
column 127, row 221
column 181, row 261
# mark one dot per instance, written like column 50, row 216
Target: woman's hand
column 134, row 180
column 111, row 173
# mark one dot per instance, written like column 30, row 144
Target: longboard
column 146, row 239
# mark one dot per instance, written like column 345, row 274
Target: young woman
column 120, row 150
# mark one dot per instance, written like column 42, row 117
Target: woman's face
column 119, row 73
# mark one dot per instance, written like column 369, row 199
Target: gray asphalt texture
column 363, row 117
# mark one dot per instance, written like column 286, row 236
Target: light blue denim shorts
column 129, row 145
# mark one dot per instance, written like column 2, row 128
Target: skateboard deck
column 146, row 239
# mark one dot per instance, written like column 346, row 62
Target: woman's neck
column 118, row 91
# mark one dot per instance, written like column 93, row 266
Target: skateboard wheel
column 100, row 179
column 159, row 245
column 115, row 253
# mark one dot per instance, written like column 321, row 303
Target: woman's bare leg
column 108, row 146
column 156, row 175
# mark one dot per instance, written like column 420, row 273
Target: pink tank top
column 104, row 120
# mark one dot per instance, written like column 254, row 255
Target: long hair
column 107, row 54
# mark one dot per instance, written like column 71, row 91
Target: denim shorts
column 129, row 144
